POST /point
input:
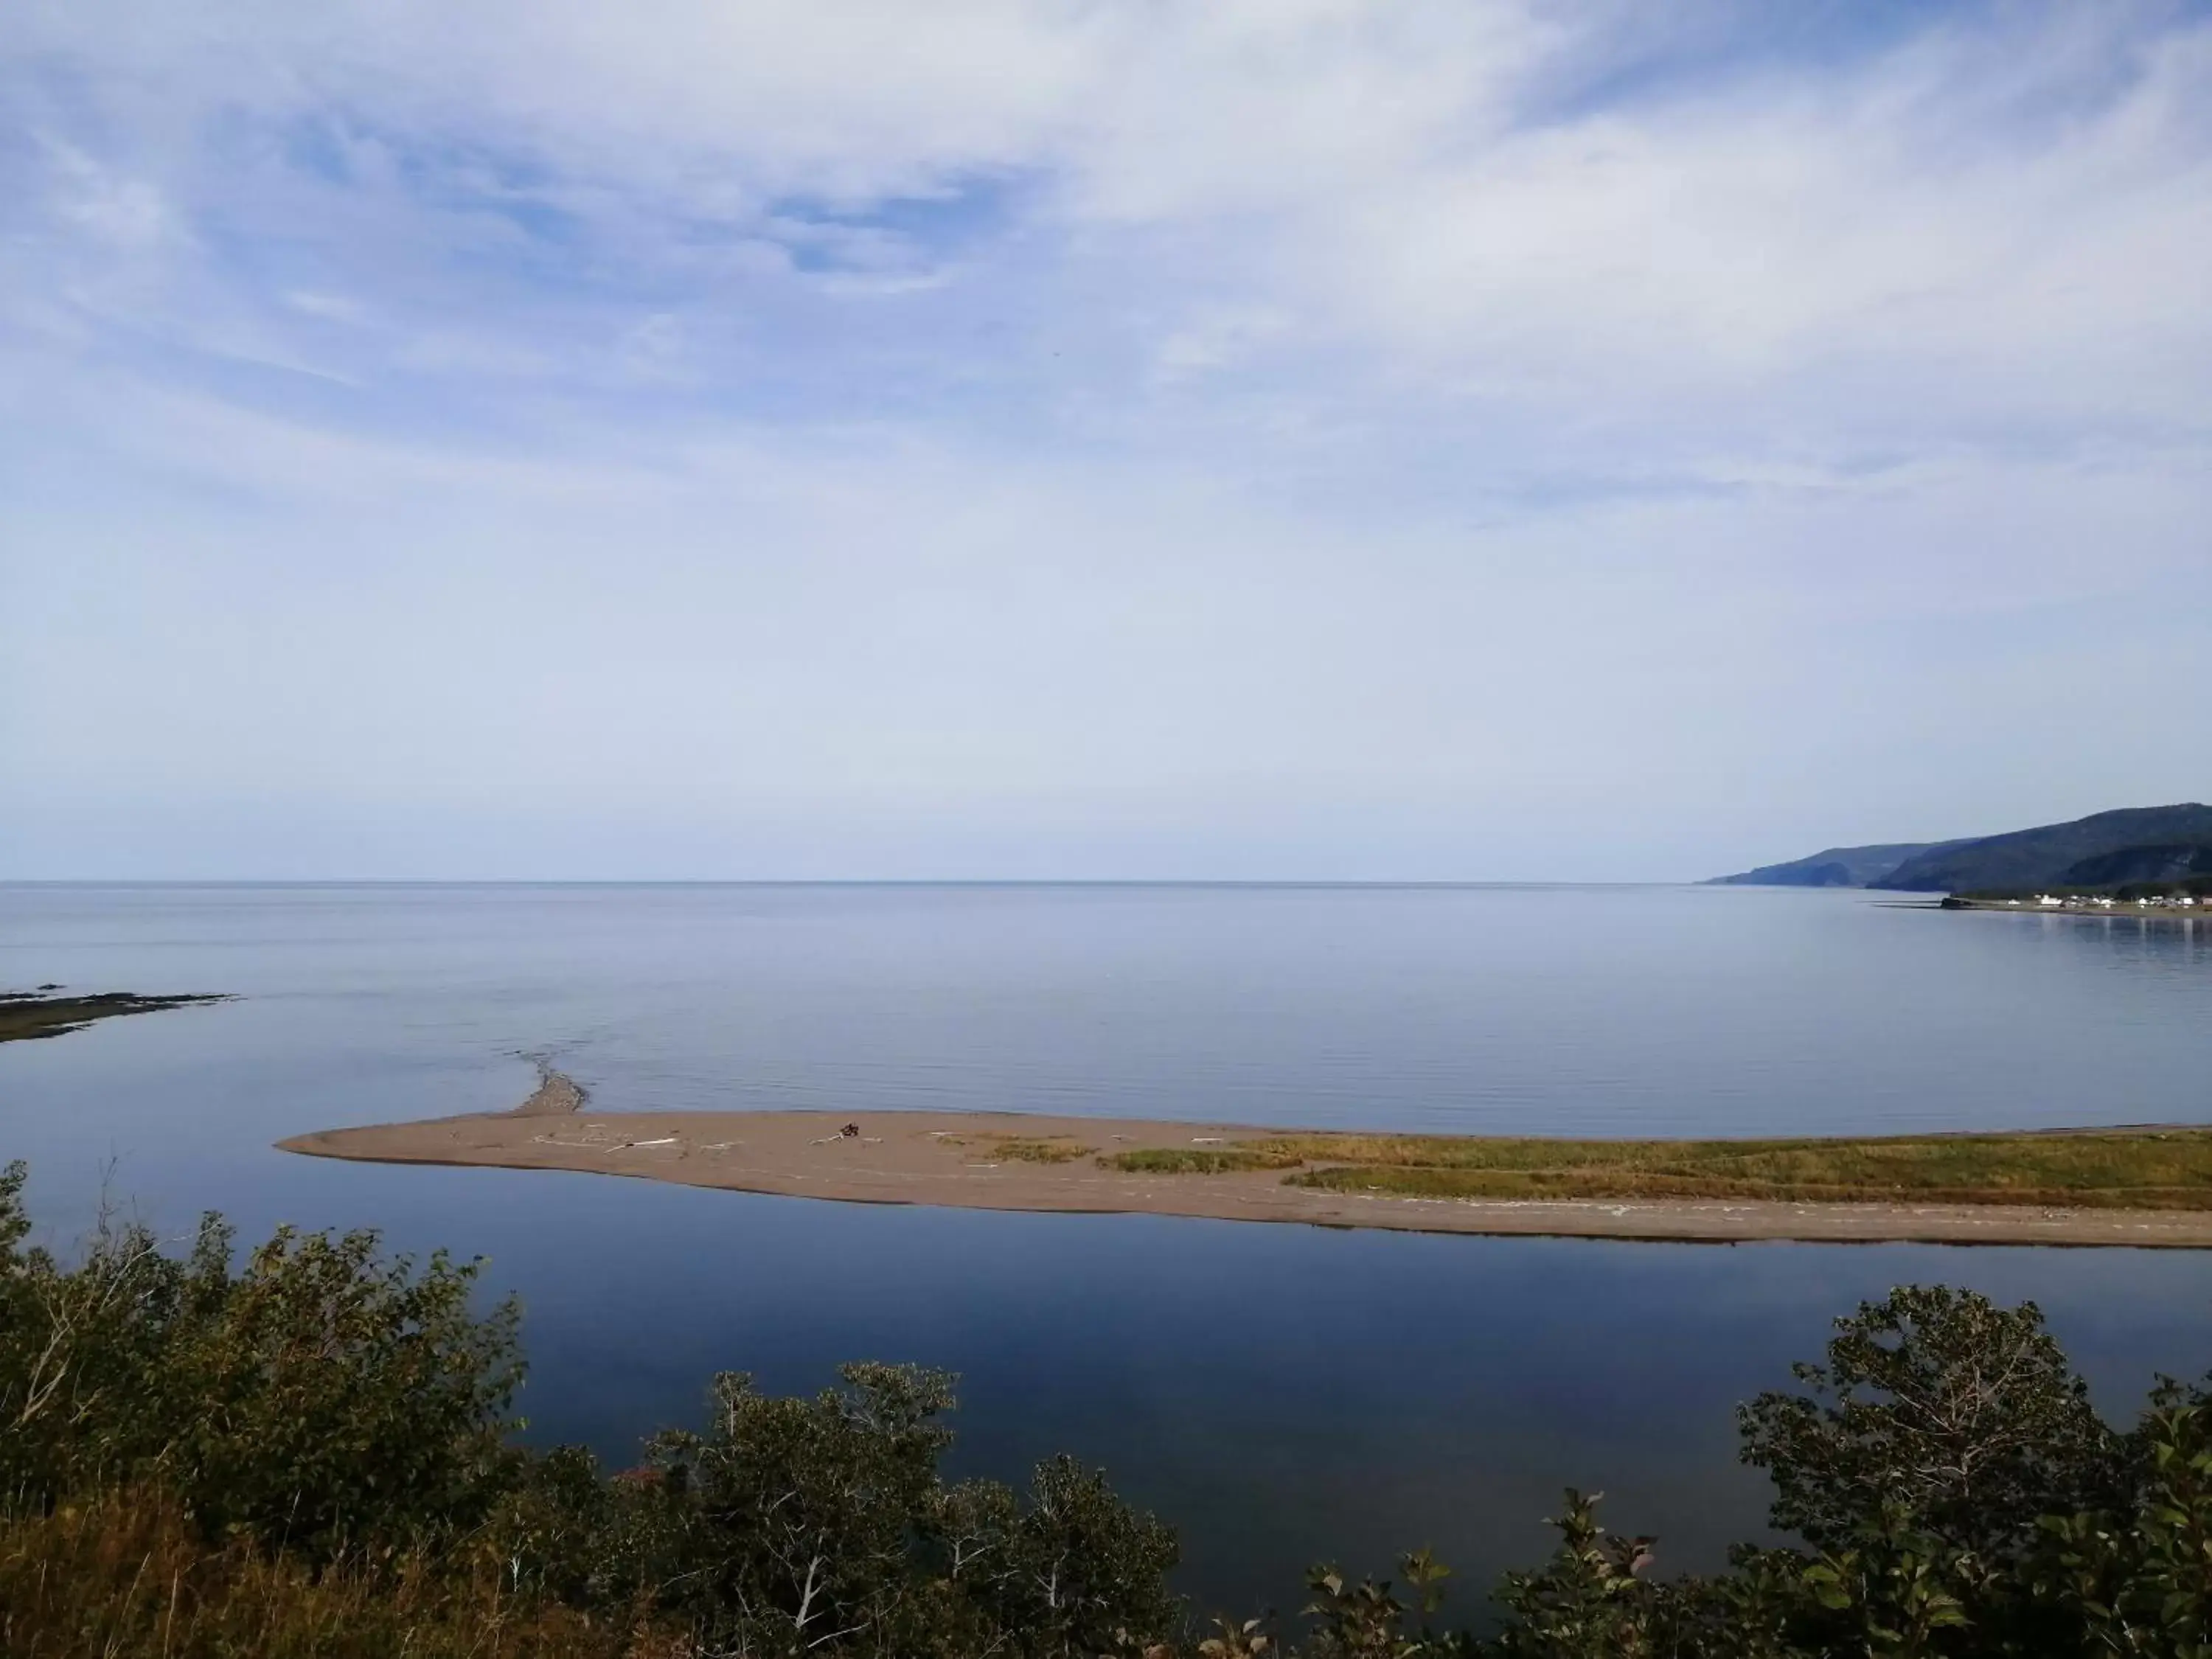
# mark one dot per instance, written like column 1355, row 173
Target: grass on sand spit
column 1199, row 1160
column 2122, row 1169
column 1028, row 1149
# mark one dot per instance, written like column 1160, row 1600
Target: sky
column 1266, row 439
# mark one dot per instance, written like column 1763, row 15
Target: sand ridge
column 1013, row 1161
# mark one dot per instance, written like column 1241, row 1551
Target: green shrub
column 304, row 1456
column 318, row 1394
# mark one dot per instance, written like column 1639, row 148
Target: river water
column 1283, row 1394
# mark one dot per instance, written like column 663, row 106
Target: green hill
column 1835, row 867
column 2151, row 864
column 2133, row 844
column 2051, row 852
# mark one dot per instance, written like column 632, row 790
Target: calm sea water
column 1282, row 1394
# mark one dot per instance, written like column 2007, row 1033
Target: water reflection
column 1281, row 1393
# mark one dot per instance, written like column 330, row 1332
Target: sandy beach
column 989, row 1161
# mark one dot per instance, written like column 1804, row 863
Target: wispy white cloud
column 969, row 412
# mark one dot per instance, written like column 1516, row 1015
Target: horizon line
column 836, row 881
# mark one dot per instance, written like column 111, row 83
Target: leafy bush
column 308, row 1455
column 317, row 1396
column 2138, row 1572
column 321, row 1414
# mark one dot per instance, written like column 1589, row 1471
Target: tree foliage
column 315, row 1395
column 308, row 1451
column 1936, row 1408
column 322, row 1405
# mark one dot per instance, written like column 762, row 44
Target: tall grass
column 125, row 1573
column 2164, row 1169
column 1199, row 1160
column 1036, row 1149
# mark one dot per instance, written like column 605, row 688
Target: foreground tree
column 308, row 1453
column 1937, row 1409
column 345, row 1410
column 790, row 1525
column 2138, row 1574
column 318, row 1394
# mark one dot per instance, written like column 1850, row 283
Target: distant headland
column 2134, row 853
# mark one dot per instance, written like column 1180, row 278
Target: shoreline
column 1017, row 1161
column 2135, row 909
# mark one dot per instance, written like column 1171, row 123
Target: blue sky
column 1280, row 438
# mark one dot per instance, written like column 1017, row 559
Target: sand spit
column 992, row 1161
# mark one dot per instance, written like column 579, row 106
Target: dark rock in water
column 26, row 1014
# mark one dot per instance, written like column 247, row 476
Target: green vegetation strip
column 1199, row 1160
column 1031, row 1149
column 2133, row 1169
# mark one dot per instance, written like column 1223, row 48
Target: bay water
column 1282, row 1394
